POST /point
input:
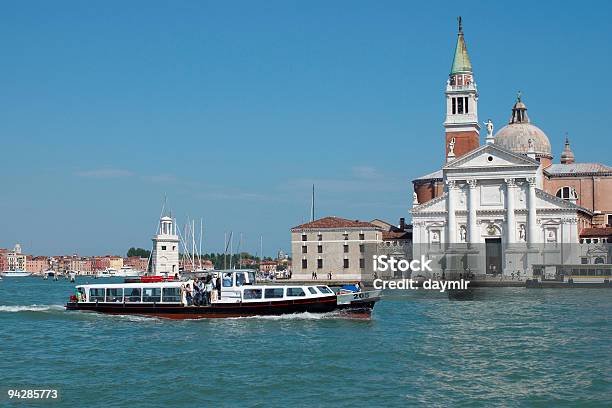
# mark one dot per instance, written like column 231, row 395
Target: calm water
column 512, row 347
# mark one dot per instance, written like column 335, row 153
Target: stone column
column 510, row 220
column 531, row 211
column 450, row 207
column 472, row 222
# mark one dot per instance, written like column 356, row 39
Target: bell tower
column 461, row 124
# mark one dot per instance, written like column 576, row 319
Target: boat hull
column 224, row 310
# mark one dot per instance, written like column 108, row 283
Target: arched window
column 567, row 193
column 599, row 260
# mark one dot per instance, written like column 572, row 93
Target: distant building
column 37, row 264
column 396, row 242
column 247, row 262
column 267, row 266
column 100, row 263
column 137, row 263
column 13, row 260
column 115, row 262
column 334, row 245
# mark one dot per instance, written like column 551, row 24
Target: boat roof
column 168, row 284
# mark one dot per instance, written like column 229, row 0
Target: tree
column 140, row 252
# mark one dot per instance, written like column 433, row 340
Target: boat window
column 151, row 294
column 252, row 294
column 114, row 295
column 295, row 292
column 324, row 289
column 96, row 294
column 240, row 279
column 312, row 290
column 274, row 293
column 250, row 278
column 132, row 294
column 171, row 295
column 227, row 280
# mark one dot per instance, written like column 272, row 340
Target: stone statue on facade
column 489, row 125
column 415, row 198
column 522, row 233
column 451, row 147
column 462, row 233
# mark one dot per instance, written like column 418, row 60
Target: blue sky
column 233, row 109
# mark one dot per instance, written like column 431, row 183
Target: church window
column 460, row 106
column 304, row 264
column 467, row 110
column 163, row 247
column 454, row 103
column 566, row 193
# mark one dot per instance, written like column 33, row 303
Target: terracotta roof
column 335, row 222
column 577, row 169
column 390, row 235
column 596, row 232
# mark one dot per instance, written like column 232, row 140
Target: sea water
column 504, row 347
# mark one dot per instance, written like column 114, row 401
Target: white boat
column 230, row 293
column 106, row 273
column 49, row 273
column 15, row 274
column 128, row 272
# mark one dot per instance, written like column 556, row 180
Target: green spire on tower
column 461, row 61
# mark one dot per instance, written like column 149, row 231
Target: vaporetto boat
column 233, row 294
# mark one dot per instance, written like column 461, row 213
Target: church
column 503, row 207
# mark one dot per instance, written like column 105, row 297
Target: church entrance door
column 493, row 255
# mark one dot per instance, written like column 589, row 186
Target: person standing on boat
column 186, row 289
column 208, row 288
column 196, row 292
column 218, row 283
column 202, row 295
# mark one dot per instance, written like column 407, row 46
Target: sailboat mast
column 201, row 228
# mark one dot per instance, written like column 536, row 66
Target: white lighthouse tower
column 165, row 255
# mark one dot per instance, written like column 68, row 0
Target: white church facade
column 494, row 217
column 486, row 212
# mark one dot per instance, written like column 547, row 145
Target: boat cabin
column 231, row 286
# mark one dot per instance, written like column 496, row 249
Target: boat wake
column 298, row 316
column 30, row 308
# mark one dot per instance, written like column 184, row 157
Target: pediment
column 490, row 155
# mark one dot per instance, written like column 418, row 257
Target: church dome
column 567, row 157
column 516, row 135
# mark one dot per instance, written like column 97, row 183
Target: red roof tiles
column 596, row 232
column 334, row 222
